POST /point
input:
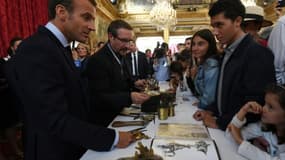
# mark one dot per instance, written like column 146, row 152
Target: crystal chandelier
column 162, row 14
column 249, row 2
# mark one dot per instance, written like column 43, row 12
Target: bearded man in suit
column 109, row 76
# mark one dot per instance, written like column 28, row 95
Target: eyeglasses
column 124, row 40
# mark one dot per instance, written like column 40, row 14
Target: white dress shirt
column 135, row 68
column 276, row 43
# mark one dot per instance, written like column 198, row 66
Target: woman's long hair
column 207, row 35
column 159, row 53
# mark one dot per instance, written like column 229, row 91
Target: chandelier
column 249, row 2
column 162, row 14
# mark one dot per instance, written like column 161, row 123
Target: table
column 184, row 111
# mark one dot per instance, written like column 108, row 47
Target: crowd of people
column 65, row 97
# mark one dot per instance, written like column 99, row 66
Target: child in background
column 271, row 127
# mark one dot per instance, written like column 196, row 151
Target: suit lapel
column 140, row 63
column 60, row 47
column 239, row 50
column 129, row 62
column 128, row 65
column 243, row 44
column 68, row 58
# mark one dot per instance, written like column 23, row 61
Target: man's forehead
column 88, row 13
column 84, row 6
column 219, row 16
column 219, row 19
column 124, row 32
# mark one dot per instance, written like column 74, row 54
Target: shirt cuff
column 116, row 140
column 245, row 149
column 236, row 122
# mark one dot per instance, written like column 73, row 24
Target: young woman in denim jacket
column 204, row 51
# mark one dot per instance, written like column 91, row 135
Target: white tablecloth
column 184, row 112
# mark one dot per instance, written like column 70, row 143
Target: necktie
column 135, row 65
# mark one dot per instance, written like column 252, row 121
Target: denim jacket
column 206, row 82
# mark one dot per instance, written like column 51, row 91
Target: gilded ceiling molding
column 199, row 15
column 106, row 9
column 160, row 33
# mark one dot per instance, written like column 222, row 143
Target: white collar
column 57, row 33
column 136, row 53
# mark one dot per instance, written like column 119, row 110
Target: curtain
column 20, row 18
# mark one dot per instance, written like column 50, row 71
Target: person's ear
column 61, row 12
column 238, row 21
column 111, row 36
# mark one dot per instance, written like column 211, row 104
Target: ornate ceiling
column 192, row 15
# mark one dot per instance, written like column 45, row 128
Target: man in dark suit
column 9, row 118
column 109, row 76
column 138, row 63
column 149, row 60
column 54, row 104
column 246, row 69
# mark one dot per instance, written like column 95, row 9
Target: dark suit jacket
column 8, row 112
column 54, row 102
column 109, row 89
column 150, row 66
column 246, row 74
column 143, row 66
